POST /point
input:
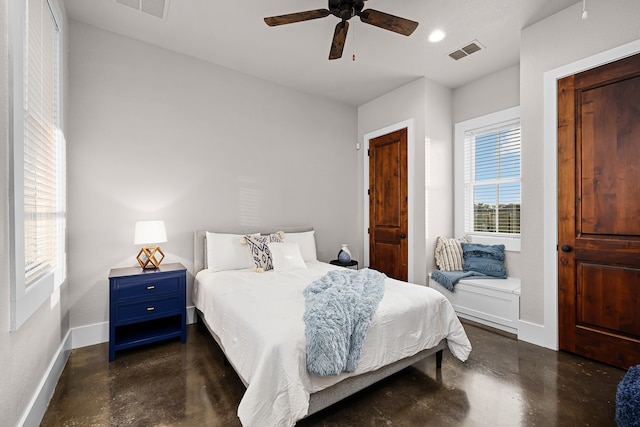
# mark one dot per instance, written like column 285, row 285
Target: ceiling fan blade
column 388, row 22
column 290, row 18
column 339, row 37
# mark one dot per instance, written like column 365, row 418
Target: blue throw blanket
column 338, row 311
column 448, row 279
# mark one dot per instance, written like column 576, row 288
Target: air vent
column 467, row 50
column 157, row 8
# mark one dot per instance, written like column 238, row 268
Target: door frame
column 547, row 335
column 410, row 189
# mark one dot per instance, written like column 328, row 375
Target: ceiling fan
column 345, row 10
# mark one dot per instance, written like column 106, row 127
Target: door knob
column 403, row 236
column 566, row 248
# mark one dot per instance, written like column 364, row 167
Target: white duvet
column 258, row 320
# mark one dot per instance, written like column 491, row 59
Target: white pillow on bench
column 448, row 253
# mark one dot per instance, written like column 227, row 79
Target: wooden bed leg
column 439, row 359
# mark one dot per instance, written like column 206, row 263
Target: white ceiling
column 233, row 34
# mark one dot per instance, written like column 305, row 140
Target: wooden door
column 599, row 213
column 388, row 198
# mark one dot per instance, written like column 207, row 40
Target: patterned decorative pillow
column 259, row 250
column 449, row 253
column 276, row 237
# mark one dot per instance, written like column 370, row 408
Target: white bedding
column 258, row 320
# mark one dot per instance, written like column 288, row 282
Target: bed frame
column 327, row 397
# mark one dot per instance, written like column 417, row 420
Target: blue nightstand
column 146, row 306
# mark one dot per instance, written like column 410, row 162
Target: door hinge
column 368, row 151
column 368, row 231
column 369, row 192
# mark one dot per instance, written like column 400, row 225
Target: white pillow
column 226, row 252
column 307, row 242
column 448, row 253
column 286, row 256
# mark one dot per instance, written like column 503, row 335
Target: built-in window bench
column 491, row 302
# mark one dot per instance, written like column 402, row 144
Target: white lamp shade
column 148, row 232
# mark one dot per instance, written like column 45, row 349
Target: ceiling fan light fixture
column 437, row 36
column 345, row 10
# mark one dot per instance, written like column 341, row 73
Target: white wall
column 556, row 41
column 158, row 135
column 429, row 106
column 25, row 354
column 495, row 92
column 437, row 172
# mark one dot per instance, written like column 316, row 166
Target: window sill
column 23, row 306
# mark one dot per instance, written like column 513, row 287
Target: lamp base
column 147, row 257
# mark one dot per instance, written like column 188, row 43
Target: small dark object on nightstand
column 352, row 263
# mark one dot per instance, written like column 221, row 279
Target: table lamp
column 149, row 233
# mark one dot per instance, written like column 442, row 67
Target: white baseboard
column 38, row 405
column 84, row 336
column 535, row 334
column 191, row 315
column 79, row 337
column 98, row 333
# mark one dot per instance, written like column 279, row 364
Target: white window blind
column 38, row 222
column 492, row 179
column 40, row 153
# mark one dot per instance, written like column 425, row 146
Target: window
column 492, row 179
column 38, row 156
column 488, row 178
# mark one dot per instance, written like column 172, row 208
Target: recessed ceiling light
column 437, row 36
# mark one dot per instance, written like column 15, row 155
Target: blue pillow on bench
column 485, row 259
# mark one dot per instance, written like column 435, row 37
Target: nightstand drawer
column 141, row 311
column 133, row 288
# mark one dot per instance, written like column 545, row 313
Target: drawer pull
column 150, row 287
column 150, row 308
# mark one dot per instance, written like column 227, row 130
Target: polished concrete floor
column 504, row 383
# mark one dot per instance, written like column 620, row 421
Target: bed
column 256, row 319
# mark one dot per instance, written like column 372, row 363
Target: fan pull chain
column 353, row 43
